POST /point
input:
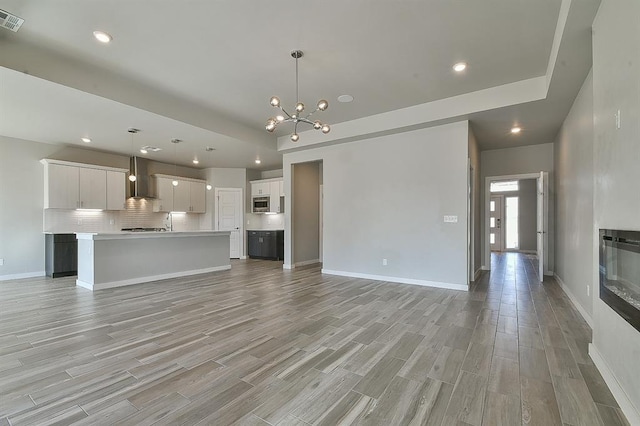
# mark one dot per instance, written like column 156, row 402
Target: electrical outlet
column 112, row 222
column 1, row 262
column 588, row 290
column 384, row 262
column 79, row 221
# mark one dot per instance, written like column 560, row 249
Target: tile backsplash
column 264, row 221
column 139, row 214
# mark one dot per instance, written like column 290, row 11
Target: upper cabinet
column 83, row 186
column 272, row 188
column 188, row 196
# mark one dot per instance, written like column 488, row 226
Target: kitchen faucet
column 168, row 222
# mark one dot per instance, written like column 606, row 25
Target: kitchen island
column 116, row 259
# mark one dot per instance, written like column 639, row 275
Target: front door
column 495, row 223
column 229, row 217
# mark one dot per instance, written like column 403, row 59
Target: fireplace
column 620, row 273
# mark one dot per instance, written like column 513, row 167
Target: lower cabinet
column 266, row 244
column 61, row 255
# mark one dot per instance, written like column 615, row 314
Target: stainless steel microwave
column 261, row 204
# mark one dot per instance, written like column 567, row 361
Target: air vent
column 151, row 148
column 9, row 21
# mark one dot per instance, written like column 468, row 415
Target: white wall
column 574, row 199
column 616, row 86
column 21, row 206
column 516, row 161
column 385, row 197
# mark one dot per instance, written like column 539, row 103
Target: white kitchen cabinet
column 116, row 190
column 61, row 187
column 188, row 196
column 198, row 196
column 181, row 196
column 81, row 186
column 274, row 195
column 164, row 194
column 260, row 188
column 272, row 188
column 93, row 188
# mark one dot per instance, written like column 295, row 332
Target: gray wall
column 616, row 85
column 516, row 161
column 306, row 212
column 574, row 199
column 385, row 197
column 221, row 178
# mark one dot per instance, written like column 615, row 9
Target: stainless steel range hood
column 141, row 187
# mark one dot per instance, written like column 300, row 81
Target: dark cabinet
column 61, row 255
column 266, row 244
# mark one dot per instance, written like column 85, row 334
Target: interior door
column 495, row 223
column 229, row 217
column 542, row 224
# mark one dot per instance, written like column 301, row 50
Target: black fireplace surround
column 620, row 273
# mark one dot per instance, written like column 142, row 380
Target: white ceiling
column 203, row 71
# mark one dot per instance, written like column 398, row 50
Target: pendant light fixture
column 175, row 143
column 133, row 131
column 296, row 116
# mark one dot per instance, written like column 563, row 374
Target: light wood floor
column 258, row 345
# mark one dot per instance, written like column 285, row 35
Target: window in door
column 495, row 219
column 511, row 238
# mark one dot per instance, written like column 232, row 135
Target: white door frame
column 242, row 207
column 487, row 197
column 470, row 223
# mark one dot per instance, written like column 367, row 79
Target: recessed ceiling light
column 258, row 161
column 345, row 98
column 102, row 37
column 460, row 66
column 209, row 187
column 195, row 161
column 144, row 151
column 516, row 130
column 86, row 140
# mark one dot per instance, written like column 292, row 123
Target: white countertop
column 117, row 235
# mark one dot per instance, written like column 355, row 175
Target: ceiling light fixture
column 143, row 150
column 133, row 131
column 460, row 66
column 102, row 37
column 516, row 130
column 296, row 116
column 86, row 140
column 258, row 161
column 345, row 98
column 195, row 161
column 209, row 187
column 175, row 143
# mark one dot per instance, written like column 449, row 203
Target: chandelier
column 297, row 116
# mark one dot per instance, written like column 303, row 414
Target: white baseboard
column 140, row 280
column 485, row 268
column 243, row 257
column 288, row 266
column 628, row 409
column 22, row 276
column 574, row 300
column 307, row 262
column 424, row 283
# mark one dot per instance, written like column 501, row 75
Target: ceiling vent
column 9, row 21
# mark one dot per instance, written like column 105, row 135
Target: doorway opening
column 516, row 217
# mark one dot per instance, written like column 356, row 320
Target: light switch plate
column 450, row 219
column 1, row 262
